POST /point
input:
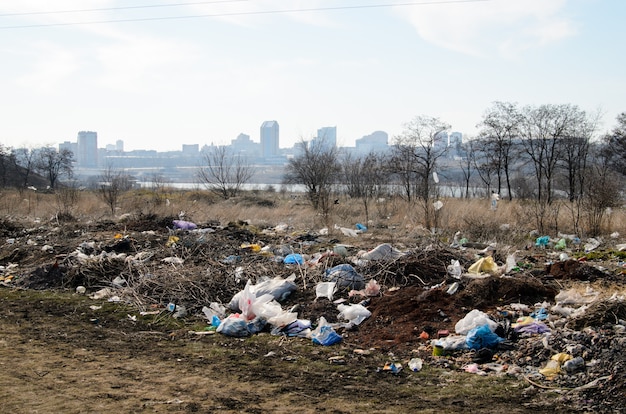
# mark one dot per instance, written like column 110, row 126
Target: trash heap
column 479, row 308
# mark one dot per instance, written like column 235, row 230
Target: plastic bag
column 346, row 277
column 372, row 288
column 184, row 225
column 454, row 269
column 482, row 337
column 278, row 288
column 346, row 231
column 483, row 265
column 294, row 258
column 561, row 244
column 325, row 290
column 299, row 327
column 473, row 319
column 451, row 343
column 214, row 309
column 324, row 334
column 532, row 328
column 233, row 326
column 511, row 263
column 382, row 252
column 354, row 313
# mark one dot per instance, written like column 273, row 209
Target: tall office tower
column 269, row 139
column 119, row 145
column 87, row 156
column 327, row 136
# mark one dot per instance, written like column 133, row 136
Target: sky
column 160, row 74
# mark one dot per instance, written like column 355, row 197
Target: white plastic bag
column 473, row 319
column 354, row 313
column 454, row 269
column 325, row 290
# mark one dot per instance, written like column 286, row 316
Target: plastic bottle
column 574, row 364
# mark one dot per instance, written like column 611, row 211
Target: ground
column 67, row 352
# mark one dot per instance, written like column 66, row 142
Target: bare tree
column 484, row 161
column 544, row 129
column 466, row 163
column 4, row 165
column 364, row 177
column 602, row 192
column 23, row 162
column 317, row 168
column 224, row 172
column 113, row 183
column 414, row 160
column 499, row 129
column 67, row 198
column 54, row 164
column 615, row 147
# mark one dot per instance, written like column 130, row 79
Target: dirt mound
column 574, row 270
column 494, row 291
column 399, row 317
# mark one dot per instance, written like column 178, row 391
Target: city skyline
column 206, row 72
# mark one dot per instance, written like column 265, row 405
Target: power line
column 231, row 14
column 148, row 6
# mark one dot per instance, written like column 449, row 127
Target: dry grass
column 510, row 224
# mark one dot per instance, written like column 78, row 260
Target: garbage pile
column 479, row 308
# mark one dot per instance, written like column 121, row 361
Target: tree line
column 541, row 154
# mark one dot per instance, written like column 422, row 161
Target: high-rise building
column 87, row 156
column 269, row 139
column 327, row 136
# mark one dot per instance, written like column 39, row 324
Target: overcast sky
column 202, row 72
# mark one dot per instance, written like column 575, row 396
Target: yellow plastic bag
column 551, row 370
column 561, row 357
column 483, row 265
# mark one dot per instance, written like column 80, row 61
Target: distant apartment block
column 377, row 141
column 71, row 146
column 326, row 136
column 191, row 149
column 244, row 146
column 269, row 139
column 87, row 149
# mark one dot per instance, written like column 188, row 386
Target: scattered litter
column 383, row 251
column 416, row 364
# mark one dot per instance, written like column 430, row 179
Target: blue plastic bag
column 482, row 337
column 294, row 258
column 327, row 336
column 324, row 334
